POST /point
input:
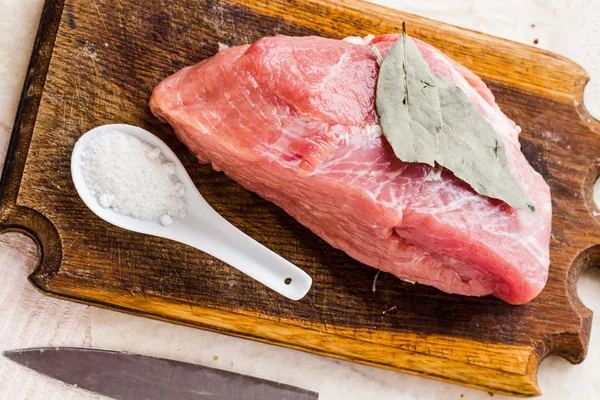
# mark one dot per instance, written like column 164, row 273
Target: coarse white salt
column 166, row 220
column 154, row 153
column 133, row 178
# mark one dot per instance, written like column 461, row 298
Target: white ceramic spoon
column 203, row 228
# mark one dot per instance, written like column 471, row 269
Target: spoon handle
column 213, row 234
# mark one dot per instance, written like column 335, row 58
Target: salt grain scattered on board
column 133, row 178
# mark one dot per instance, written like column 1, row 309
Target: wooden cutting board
column 96, row 62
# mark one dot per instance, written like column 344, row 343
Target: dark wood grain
column 96, row 62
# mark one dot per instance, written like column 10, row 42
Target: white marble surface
column 568, row 27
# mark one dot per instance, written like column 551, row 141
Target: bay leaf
column 408, row 104
column 471, row 148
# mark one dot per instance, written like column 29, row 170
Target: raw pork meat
column 293, row 119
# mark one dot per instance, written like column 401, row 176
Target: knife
column 134, row 377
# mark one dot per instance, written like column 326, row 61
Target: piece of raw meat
column 293, row 119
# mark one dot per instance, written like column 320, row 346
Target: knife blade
column 125, row 376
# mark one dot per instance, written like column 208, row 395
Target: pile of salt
column 133, row 178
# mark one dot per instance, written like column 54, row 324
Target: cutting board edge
column 473, row 376
column 563, row 345
column 29, row 102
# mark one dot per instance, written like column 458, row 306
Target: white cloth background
column 568, row 27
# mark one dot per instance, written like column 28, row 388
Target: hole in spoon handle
column 219, row 238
